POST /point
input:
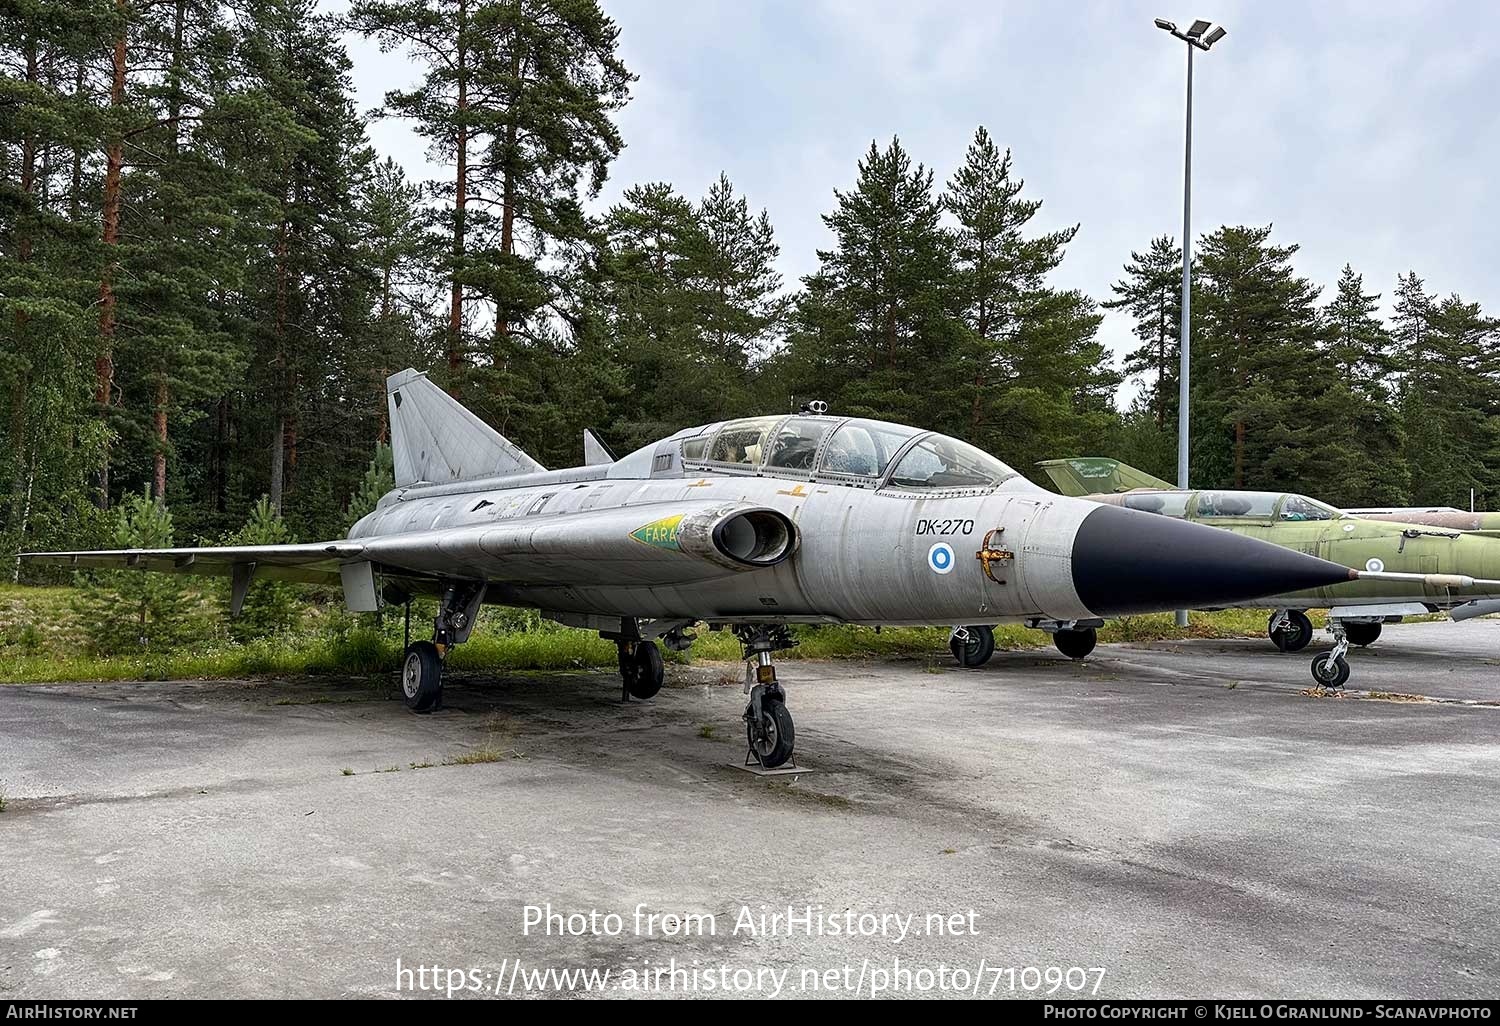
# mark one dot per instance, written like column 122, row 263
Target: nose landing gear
column 1331, row 669
column 768, row 724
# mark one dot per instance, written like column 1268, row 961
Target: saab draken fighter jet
column 751, row 525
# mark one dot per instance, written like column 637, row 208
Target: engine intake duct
column 739, row 537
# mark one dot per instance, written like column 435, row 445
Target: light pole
column 1195, row 39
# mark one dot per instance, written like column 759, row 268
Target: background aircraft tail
column 1092, row 475
column 434, row 439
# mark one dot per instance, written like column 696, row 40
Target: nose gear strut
column 768, row 724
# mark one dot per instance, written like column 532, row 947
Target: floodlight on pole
column 1195, row 40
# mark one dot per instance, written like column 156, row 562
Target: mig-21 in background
column 1415, row 568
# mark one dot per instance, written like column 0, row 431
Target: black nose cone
column 1126, row 561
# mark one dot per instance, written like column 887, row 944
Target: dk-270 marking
column 945, row 527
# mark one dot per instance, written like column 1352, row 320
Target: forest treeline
column 207, row 271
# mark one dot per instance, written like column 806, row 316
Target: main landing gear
column 972, row 646
column 768, row 724
column 642, row 668
column 422, row 667
column 1290, row 629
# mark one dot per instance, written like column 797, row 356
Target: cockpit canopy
column 865, row 453
column 1211, row 505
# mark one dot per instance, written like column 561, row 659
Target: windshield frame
column 887, row 479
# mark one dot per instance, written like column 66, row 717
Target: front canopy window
column 1237, row 504
column 1300, row 507
column 864, row 448
column 942, row 462
column 743, row 441
column 1168, row 504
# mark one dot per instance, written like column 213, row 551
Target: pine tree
column 132, row 610
column 1359, row 448
column 875, row 332
column 380, row 478
column 176, row 255
column 1041, row 383
column 401, row 250
column 1255, row 374
column 49, row 284
column 528, row 87
column 1151, row 292
column 269, row 606
column 310, row 296
column 1451, row 398
column 744, row 307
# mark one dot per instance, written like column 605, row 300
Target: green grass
column 41, row 641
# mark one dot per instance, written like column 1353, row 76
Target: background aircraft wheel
column 1328, row 671
column 976, row 649
column 775, row 747
column 1294, row 636
column 1362, row 633
column 649, row 670
column 1076, row 644
column 422, row 677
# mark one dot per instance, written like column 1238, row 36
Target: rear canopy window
column 796, row 444
column 743, row 442
column 1168, row 504
column 942, row 462
column 1300, row 507
column 1236, row 504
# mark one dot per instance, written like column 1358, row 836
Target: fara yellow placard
column 660, row 533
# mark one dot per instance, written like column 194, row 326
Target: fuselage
column 866, row 548
column 889, row 525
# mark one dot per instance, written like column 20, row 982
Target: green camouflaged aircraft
column 1449, row 570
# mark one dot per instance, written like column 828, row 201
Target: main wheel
column 974, row 650
column 1362, row 633
column 1328, row 671
column 775, row 748
column 649, row 671
column 1294, row 634
column 422, row 677
column 1076, row 644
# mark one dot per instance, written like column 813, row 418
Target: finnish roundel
column 1375, row 566
column 940, row 558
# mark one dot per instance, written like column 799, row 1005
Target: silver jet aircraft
column 751, row 525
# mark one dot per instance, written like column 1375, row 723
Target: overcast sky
column 1366, row 132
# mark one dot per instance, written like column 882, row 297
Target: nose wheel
column 769, row 730
column 768, row 723
column 1330, row 669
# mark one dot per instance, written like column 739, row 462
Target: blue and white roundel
column 940, row 558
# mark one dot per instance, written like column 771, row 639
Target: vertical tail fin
column 595, row 452
column 1090, row 475
column 434, row 439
